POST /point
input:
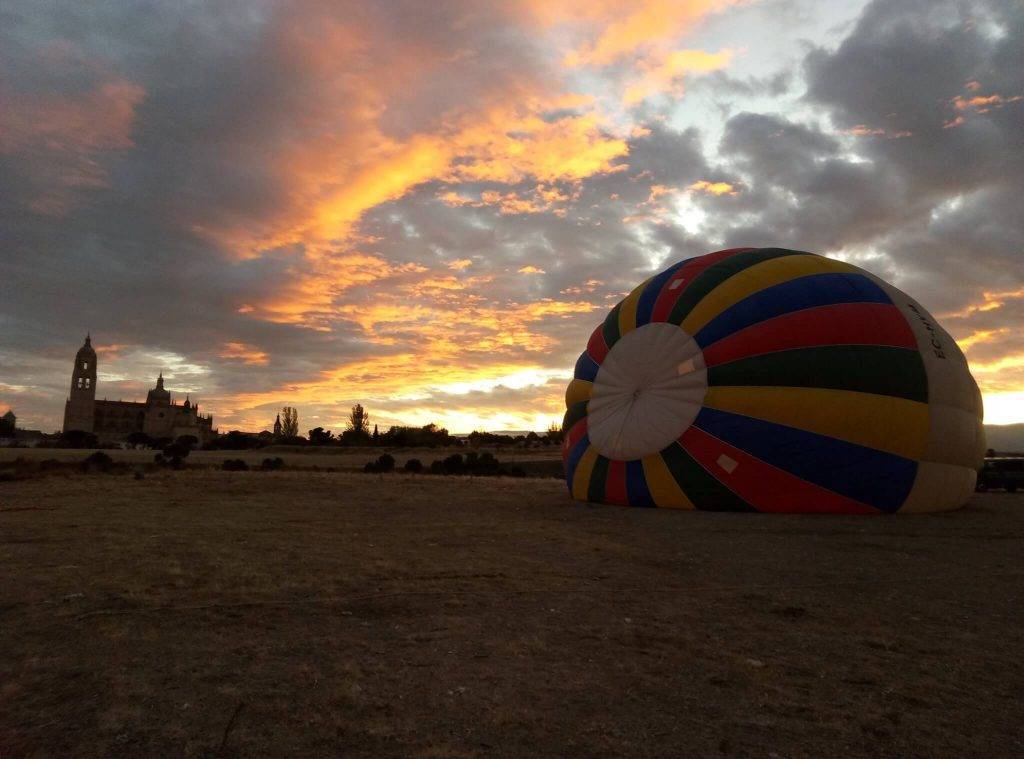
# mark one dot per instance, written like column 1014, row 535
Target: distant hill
column 1005, row 437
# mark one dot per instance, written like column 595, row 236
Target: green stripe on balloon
column 877, row 369
column 598, row 477
column 610, row 330
column 703, row 489
column 717, row 273
column 573, row 414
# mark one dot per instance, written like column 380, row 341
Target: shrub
column 478, row 464
column 273, row 464
column 236, row 441
column 486, row 464
column 384, row 463
column 98, row 461
column 453, row 464
column 234, row 465
column 189, row 441
column 174, row 455
column 140, row 440
column 413, row 465
column 77, row 439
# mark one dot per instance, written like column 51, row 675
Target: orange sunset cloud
column 430, row 205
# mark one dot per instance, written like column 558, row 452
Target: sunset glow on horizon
column 426, row 208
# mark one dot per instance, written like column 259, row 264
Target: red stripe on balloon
column 839, row 324
column 615, row 485
column 671, row 291
column 596, row 346
column 762, row 485
column 572, row 437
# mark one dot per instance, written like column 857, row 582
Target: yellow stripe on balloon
column 627, row 313
column 882, row 422
column 758, row 277
column 663, row 486
column 581, row 477
column 578, row 390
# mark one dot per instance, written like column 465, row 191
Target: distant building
column 113, row 421
column 277, row 426
column 11, row 435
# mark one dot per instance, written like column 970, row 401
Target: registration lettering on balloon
column 772, row 380
column 936, row 344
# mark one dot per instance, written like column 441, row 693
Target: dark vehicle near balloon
column 1002, row 472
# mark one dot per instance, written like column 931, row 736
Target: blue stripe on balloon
column 573, row 459
column 586, row 368
column 795, row 295
column 645, row 304
column 877, row 478
column 637, row 491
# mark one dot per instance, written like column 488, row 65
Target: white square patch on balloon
column 728, row 464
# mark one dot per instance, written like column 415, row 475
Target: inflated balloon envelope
column 773, row 380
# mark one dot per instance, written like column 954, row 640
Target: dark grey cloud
column 909, row 182
column 196, row 129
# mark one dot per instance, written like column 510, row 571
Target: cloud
column 57, row 141
column 666, row 74
column 712, row 188
column 629, row 30
column 246, row 353
column 417, row 205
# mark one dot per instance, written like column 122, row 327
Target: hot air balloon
column 772, row 380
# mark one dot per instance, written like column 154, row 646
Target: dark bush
column 475, row 464
column 77, row 439
column 270, row 465
column 176, row 450
column 234, row 465
column 140, row 440
column 320, row 436
column 413, row 465
column 99, row 461
column 428, row 436
column 453, row 464
column 489, row 438
column 486, row 464
column 237, row 441
column 384, row 463
column 175, row 454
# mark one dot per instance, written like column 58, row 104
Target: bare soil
column 207, row 613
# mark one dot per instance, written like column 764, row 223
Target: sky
column 427, row 207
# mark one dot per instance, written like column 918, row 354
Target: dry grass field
column 208, row 613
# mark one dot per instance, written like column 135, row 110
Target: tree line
column 357, row 432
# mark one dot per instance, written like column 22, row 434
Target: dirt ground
column 208, row 613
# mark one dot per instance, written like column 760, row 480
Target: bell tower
column 81, row 404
